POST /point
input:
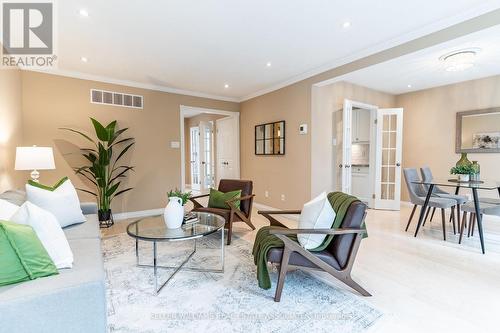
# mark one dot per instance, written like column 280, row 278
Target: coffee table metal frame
column 176, row 269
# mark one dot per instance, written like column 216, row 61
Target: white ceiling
column 423, row 69
column 198, row 46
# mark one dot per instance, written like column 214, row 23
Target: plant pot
column 463, row 178
column 174, row 213
column 105, row 218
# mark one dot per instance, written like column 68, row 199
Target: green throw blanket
column 264, row 241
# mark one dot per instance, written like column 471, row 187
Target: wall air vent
column 116, row 99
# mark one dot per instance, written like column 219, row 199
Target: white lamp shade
column 34, row 158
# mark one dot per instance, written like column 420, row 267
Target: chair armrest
column 88, row 208
column 198, row 196
column 339, row 231
column 278, row 212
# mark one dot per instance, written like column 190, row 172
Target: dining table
column 473, row 185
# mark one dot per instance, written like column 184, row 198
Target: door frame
column 373, row 142
column 190, row 111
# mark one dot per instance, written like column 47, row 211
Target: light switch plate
column 175, row 144
column 303, row 129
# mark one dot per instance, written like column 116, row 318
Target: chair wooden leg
column 443, row 220
column 462, row 226
column 282, row 273
column 411, row 216
column 453, row 219
column 354, row 285
column 426, row 215
column 432, row 215
column 229, row 231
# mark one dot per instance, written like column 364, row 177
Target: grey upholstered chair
column 440, row 193
column 418, row 194
column 487, row 206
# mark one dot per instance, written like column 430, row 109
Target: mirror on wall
column 270, row 138
column 478, row 131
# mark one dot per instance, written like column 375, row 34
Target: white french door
column 345, row 165
column 207, row 155
column 227, row 144
column 388, row 158
column 196, row 175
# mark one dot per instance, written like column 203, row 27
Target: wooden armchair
column 337, row 259
column 232, row 214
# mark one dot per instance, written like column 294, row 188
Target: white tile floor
column 422, row 284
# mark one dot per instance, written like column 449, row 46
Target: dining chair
column 417, row 197
column 487, row 206
column 440, row 193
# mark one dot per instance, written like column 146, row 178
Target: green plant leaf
column 121, row 173
column 122, row 191
column 100, row 131
column 112, row 189
column 87, row 191
column 124, row 151
column 80, row 133
column 116, row 135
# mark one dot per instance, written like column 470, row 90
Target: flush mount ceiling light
column 83, row 13
column 346, row 24
column 269, row 64
column 460, row 60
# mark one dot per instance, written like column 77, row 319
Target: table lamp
column 34, row 158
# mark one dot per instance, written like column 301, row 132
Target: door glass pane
column 388, row 172
column 386, row 124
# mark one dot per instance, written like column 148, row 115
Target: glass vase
column 463, row 161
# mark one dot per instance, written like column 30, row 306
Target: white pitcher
column 174, row 213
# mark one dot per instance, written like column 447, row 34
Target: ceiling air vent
column 116, row 99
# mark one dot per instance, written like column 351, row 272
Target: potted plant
column 103, row 170
column 463, row 172
column 174, row 212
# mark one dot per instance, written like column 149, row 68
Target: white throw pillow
column 49, row 232
column 7, row 209
column 316, row 214
column 63, row 202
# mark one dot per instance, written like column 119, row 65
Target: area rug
column 216, row 302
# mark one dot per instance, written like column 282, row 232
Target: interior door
column 227, row 146
column 194, row 135
column 388, row 158
column 345, row 166
column 207, row 155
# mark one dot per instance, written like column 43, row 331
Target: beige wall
column 288, row 174
column 328, row 99
column 429, row 126
column 10, row 128
column 51, row 102
column 194, row 122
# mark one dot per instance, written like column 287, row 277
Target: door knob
column 340, row 165
column 398, row 164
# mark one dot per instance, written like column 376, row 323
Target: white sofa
column 72, row 301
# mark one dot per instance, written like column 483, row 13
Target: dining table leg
column 424, row 208
column 479, row 217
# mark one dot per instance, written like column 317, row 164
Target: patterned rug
column 216, row 302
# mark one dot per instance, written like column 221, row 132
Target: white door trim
column 189, row 111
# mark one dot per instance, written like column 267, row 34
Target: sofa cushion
column 7, row 209
column 88, row 229
column 16, row 197
column 73, row 301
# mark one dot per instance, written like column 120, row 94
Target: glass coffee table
column 153, row 229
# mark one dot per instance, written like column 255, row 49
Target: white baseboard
column 136, row 214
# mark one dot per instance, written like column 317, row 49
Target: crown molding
column 134, row 84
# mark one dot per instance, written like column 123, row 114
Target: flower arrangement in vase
column 463, row 172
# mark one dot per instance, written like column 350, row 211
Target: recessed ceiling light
column 84, row 59
column 460, row 60
column 226, row 86
column 409, row 86
column 268, row 64
column 84, row 13
column 346, row 24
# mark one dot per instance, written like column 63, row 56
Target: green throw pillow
column 217, row 199
column 46, row 187
column 22, row 255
